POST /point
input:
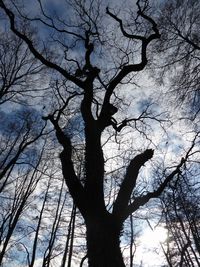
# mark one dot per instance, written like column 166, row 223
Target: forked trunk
column 103, row 243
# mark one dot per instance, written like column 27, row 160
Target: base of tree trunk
column 103, row 243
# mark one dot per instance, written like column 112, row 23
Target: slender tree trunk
column 103, row 244
column 72, row 236
column 64, row 259
column 131, row 243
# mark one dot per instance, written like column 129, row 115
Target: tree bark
column 103, row 242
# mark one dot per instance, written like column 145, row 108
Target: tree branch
column 128, row 35
column 145, row 41
column 75, row 187
column 142, row 200
column 129, row 182
column 35, row 52
column 22, row 146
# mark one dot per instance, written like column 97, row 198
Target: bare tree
column 93, row 90
column 19, row 71
column 180, row 205
column 177, row 52
column 18, row 133
column 15, row 200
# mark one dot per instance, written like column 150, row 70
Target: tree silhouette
column 92, row 91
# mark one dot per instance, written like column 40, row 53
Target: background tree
column 177, row 52
column 19, row 71
column 176, row 55
column 14, row 201
column 17, row 137
column 180, row 208
column 181, row 213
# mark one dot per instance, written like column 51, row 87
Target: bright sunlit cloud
column 154, row 237
column 149, row 252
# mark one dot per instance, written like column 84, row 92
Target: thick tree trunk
column 103, row 243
